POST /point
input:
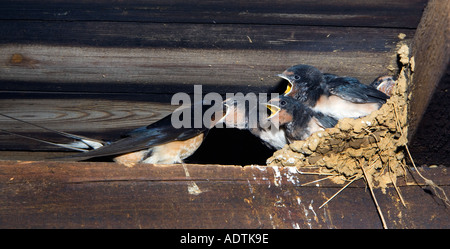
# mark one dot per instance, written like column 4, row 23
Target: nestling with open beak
column 338, row 97
column 246, row 117
column 298, row 120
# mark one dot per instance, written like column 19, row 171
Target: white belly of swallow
column 340, row 108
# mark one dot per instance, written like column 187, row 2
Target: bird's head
column 301, row 79
column 282, row 109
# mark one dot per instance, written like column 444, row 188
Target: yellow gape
column 288, row 89
column 273, row 110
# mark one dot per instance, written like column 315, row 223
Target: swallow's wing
column 158, row 133
column 142, row 138
column 351, row 89
column 325, row 120
column 329, row 76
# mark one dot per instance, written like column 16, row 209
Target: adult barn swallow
column 384, row 84
column 338, row 97
column 298, row 120
column 157, row 143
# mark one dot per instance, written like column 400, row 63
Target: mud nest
column 371, row 147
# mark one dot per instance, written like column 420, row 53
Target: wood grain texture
column 96, row 118
column 204, row 36
column 86, row 69
column 106, row 195
column 84, row 114
column 432, row 147
column 431, row 56
column 380, row 13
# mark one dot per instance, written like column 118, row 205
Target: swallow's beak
column 283, row 76
column 289, row 87
column 273, row 110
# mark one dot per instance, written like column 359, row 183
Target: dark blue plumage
column 338, row 97
column 298, row 120
column 351, row 89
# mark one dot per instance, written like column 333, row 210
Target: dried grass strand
column 383, row 221
column 397, row 189
column 318, row 180
column 340, row 190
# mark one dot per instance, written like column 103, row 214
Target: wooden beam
column 81, row 115
column 201, row 36
column 431, row 51
column 431, row 147
column 97, row 118
column 150, row 70
column 107, row 195
column 382, row 13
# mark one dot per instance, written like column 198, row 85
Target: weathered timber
column 107, row 195
column 52, row 68
column 88, row 115
column 204, row 36
column 96, row 118
column 432, row 147
column 431, row 51
column 383, row 13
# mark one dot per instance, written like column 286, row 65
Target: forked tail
column 81, row 143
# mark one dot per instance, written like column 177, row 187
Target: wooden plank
column 100, row 116
column 226, row 55
column 106, row 195
column 151, row 70
column 96, row 118
column 432, row 57
column 201, row 36
column 81, row 114
column 180, row 54
column 432, row 147
column 381, row 13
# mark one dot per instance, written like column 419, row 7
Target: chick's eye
column 282, row 103
column 296, row 77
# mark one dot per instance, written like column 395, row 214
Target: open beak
column 273, row 110
column 289, row 87
column 283, row 76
